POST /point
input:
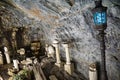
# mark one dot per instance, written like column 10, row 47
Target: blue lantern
column 100, row 16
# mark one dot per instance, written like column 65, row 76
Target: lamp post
column 100, row 20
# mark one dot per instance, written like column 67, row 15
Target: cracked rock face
column 71, row 20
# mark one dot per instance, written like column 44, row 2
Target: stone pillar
column 7, row 55
column 65, row 45
column 51, row 51
column 1, row 58
column 69, row 67
column 58, row 61
column 46, row 49
column 15, row 64
column 92, row 72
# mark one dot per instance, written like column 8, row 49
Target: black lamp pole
column 103, row 57
column 100, row 20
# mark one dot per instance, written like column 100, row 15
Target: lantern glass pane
column 100, row 18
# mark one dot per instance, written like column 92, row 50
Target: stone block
column 60, row 65
column 69, row 68
column 92, row 72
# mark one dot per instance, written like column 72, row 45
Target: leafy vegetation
column 22, row 75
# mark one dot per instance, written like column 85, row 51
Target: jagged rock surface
column 60, row 20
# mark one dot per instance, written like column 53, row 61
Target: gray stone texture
column 58, row 19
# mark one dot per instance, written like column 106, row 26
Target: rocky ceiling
column 69, row 20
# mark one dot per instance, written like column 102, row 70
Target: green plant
column 21, row 75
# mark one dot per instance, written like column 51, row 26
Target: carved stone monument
column 58, row 61
column 7, row 55
column 22, row 51
column 92, row 72
column 15, row 64
column 69, row 67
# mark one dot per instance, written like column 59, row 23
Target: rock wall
column 71, row 20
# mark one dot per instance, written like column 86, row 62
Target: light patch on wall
column 39, row 15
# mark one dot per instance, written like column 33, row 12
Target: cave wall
column 71, row 20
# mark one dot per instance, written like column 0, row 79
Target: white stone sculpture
column 5, row 49
column 22, row 51
column 92, row 72
column 51, row 52
column 27, row 61
column 56, row 45
column 7, row 55
column 15, row 64
column 35, row 61
column 1, row 77
column 46, row 49
column 69, row 67
column 1, row 58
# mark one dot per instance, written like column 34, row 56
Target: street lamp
column 100, row 20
